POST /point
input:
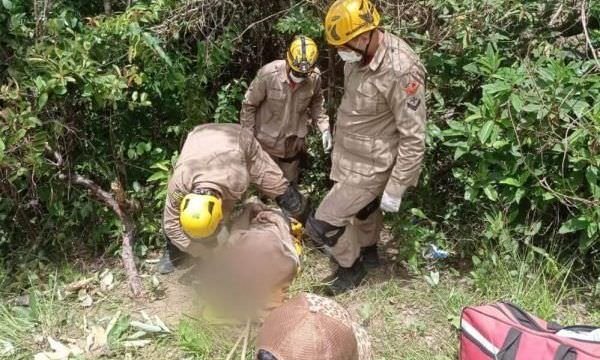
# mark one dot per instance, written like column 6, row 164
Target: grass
column 406, row 317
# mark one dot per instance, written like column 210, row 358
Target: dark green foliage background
column 514, row 117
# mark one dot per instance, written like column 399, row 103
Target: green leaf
column 496, row 87
column 573, row 225
column 519, row 195
column 131, row 153
column 534, row 228
column 511, row 182
column 418, row 213
column 2, row 148
column 154, row 44
column 7, row 4
column 460, row 151
column 486, row 131
column 118, row 330
column 42, row 100
column 516, row 102
column 136, row 186
column 491, row 193
column 532, row 108
column 157, row 176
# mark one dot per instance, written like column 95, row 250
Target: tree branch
column 117, row 201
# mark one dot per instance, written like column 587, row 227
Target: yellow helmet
column 346, row 19
column 200, row 215
column 302, row 54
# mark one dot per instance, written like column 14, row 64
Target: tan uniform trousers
column 339, row 208
column 290, row 169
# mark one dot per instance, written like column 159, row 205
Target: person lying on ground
column 251, row 272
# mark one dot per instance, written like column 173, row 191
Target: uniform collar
column 380, row 53
column 209, row 185
column 282, row 73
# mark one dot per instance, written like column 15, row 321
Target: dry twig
column 585, row 31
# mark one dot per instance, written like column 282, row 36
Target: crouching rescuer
column 217, row 164
column 378, row 143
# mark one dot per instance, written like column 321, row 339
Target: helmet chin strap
column 363, row 52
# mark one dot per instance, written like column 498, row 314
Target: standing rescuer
column 216, row 165
column 280, row 103
column 379, row 138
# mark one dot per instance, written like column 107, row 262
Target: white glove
column 327, row 141
column 389, row 203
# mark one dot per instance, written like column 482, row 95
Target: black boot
column 345, row 279
column 370, row 257
column 171, row 257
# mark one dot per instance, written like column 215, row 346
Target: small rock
column 22, row 300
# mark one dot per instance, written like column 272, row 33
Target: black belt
column 290, row 159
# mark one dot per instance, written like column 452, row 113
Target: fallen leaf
column 6, row 348
column 137, row 335
column 60, row 351
column 107, row 281
column 57, row 346
column 96, row 342
column 86, row 301
column 136, row 343
column 78, row 285
column 146, row 317
column 160, row 323
column 146, row 327
column 155, row 281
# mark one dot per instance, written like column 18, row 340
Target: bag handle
column 580, row 328
column 509, row 349
column 523, row 317
column 565, row 352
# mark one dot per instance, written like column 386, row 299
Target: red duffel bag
column 505, row 332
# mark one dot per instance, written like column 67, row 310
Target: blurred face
column 297, row 76
column 353, row 50
column 358, row 44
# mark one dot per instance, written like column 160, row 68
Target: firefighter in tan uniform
column 282, row 100
column 379, row 139
column 216, row 165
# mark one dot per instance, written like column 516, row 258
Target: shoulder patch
column 413, row 103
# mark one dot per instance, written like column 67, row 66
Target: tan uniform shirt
column 223, row 157
column 279, row 115
column 380, row 127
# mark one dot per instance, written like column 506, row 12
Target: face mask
column 349, row 56
column 296, row 79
